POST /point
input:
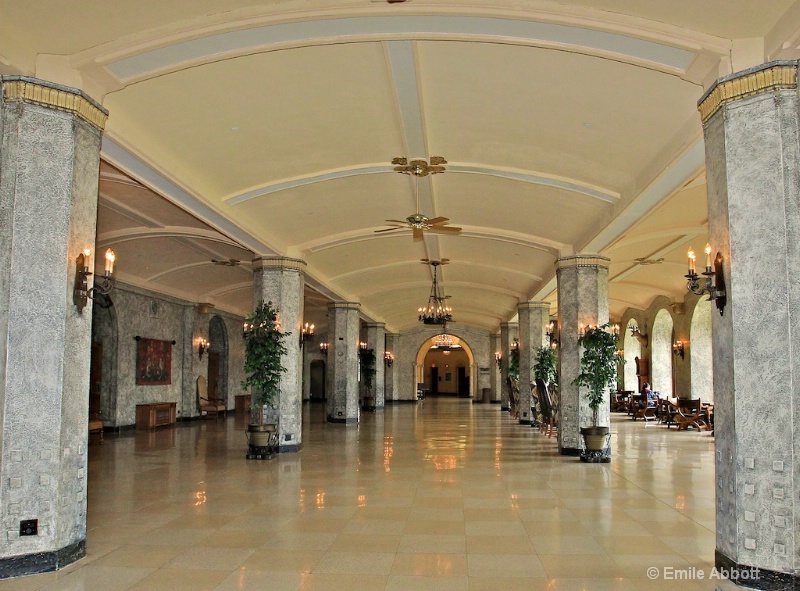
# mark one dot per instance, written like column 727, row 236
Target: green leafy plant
column 264, row 350
column 513, row 361
column 545, row 365
column 368, row 371
column 599, row 363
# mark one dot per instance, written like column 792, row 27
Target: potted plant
column 367, row 359
column 545, row 365
column 264, row 349
column 599, row 363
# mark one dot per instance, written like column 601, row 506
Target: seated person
column 650, row 395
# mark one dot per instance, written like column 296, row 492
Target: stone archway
column 661, row 354
column 700, row 352
column 426, row 346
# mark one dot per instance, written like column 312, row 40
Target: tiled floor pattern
column 442, row 495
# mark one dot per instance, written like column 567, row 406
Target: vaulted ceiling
column 241, row 129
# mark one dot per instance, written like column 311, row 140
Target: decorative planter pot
column 596, row 444
column 262, row 441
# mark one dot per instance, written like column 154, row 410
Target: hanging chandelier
column 435, row 311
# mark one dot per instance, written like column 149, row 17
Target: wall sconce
column 615, row 330
column 515, row 344
column 103, row 284
column 715, row 279
column 362, row 345
column 498, row 357
column 551, row 335
column 584, row 328
column 306, row 333
column 643, row 339
column 388, row 357
column 678, row 348
column 323, row 348
column 203, row 346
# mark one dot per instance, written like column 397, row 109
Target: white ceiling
column 568, row 127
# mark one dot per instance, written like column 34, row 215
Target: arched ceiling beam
column 361, row 270
column 450, row 284
column 669, row 49
column 179, row 268
column 127, row 234
column 531, row 177
column 228, row 289
column 345, row 238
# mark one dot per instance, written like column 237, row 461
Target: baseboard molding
column 41, row 562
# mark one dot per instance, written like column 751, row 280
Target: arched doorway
column 661, row 354
column 700, row 352
column 445, row 354
column 632, row 349
column 103, row 376
column 317, row 380
column 218, row 360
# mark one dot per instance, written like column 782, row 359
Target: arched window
column 700, row 352
column 632, row 349
column 661, row 354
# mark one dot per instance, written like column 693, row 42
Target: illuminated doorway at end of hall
column 445, row 365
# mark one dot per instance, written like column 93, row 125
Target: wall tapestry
column 153, row 362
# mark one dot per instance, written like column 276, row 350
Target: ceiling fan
column 418, row 222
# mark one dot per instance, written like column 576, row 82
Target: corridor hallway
column 442, row 495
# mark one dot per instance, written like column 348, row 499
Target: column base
column 497, row 402
column 570, row 451
column 753, row 577
column 343, row 421
column 505, row 408
column 290, row 449
column 596, row 456
column 524, row 421
column 41, row 562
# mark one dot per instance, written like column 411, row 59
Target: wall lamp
column 362, row 345
column 306, row 333
column 202, row 346
column 551, row 334
column 388, row 356
column 515, row 344
column 103, row 284
column 498, row 357
column 715, row 279
column 643, row 339
column 678, row 348
column 323, row 348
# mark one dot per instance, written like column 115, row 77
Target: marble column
column 582, row 299
column 390, row 378
column 49, row 160
column 376, row 340
column 508, row 332
column 342, row 375
column 751, row 122
column 495, row 369
column 281, row 280
column 533, row 318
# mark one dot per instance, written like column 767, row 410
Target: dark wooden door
column 96, row 379
column 213, row 374
column 434, row 380
column 463, row 382
column 317, row 384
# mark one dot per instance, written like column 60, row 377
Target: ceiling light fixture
column 435, row 311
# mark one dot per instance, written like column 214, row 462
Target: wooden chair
column 513, row 398
column 646, row 409
column 689, row 414
column 209, row 406
column 548, row 424
column 96, row 424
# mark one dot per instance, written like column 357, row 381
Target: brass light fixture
column 306, row 333
column 388, row 357
column 678, row 348
column 715, row 279
column 202, row 346
column 103, row 283
column 323, row 348
column 435, row 311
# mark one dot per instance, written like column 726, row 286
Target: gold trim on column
column 534, row 305
column 344, row 305
column 38, row 92
column 780, row 76
column 583, row 260
column 279, row 262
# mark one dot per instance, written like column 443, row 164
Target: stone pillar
column 508, row 332
column 533, row 318
column 376, row 340
column 751, row 122
column 342, row 374
column 390, row 378
column 495, row 369
column 281, row 280
column 582, row 299
column 49, row 161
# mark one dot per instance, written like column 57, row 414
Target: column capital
column 279, row 262
column 508, row 325
column 533, row 306
column 24, row 89
column 375, row 324
column 582, row 260
column 769, row 77
column 344, row 305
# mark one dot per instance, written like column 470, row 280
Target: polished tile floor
column 442, row 495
